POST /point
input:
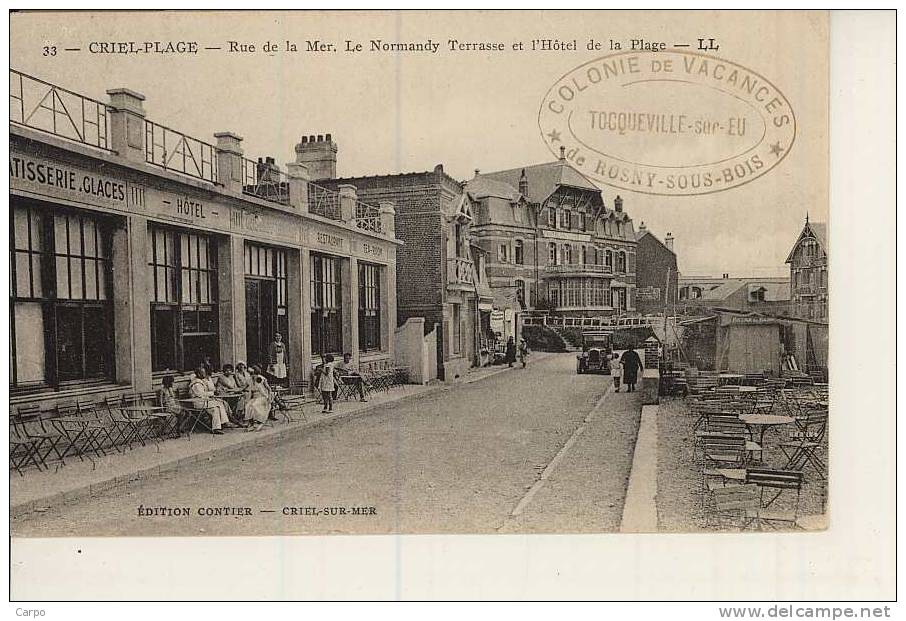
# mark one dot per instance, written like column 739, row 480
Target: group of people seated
column 246, row 387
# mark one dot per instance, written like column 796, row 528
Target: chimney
column 668, row 241
column 477, row 172
column 319, row 154
column 562, row 154
column 523, row 184
column 617, row 202
column 643, row 229
column 726, row 276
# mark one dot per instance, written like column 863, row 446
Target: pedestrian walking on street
column 616, row 371
column 327, row 383
column 523, row 352
column 510, row 351
column 631, row 366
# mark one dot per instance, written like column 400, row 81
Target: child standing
column 616, row 371
column 327, row 383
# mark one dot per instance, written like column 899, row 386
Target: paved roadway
column 455, row 461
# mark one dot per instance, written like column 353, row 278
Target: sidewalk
column 39, row 490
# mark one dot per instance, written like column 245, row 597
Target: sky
column 394, row 112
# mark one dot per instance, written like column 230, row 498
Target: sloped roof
column 773, row 292
column 483, row 187
column 723, row 290
column 640, row 234
column 818, row 230
column 543, row 179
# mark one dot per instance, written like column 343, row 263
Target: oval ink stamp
column 671, row 123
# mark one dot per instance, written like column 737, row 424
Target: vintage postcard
column 366, row 273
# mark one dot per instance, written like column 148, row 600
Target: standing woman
column 510, row 351
column 277, row 356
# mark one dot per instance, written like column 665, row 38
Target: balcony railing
column 459, row 272
column 180, row 153
column 265, row 180
column 43, row 106
column 323, row 202
column 368, row 217
column 573, row 268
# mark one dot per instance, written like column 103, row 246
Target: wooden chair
column 724, row 451
column 778, row 482
column 737, row 505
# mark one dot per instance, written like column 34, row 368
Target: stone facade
column 144, row 252
column 435, row 268
column 549, row 235
column 656, row 273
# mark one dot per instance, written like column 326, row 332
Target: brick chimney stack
column 523, row 184
column 618, row 204
column 668, row 241
column 319, row 154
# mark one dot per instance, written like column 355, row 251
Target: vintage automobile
column 596, row 353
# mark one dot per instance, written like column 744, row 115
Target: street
column 459, row 460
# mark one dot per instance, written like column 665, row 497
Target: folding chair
column 779, row 481
column 47, row 440
column 296, row 397
column 802, row 448
column 22, row 450
column 736, row 505
column 90, row 411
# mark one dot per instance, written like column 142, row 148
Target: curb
column 144, row 474
column 124, row 480
column 640, row 504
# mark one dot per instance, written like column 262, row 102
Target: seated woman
column 227, row 385
column 260, row 398
column 201, row 391
column 166, row 398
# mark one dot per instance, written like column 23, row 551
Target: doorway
column 260, row 318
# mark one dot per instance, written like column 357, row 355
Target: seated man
column 351, row 376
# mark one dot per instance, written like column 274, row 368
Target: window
column 567, row 254
column 503, row 253
column 554, row 294
column 326, row 306
column 61, row 313
column 369, row 307
column 456, row 332
column 457, row 239
column 582, row 256
column 621, row 262
column 608, row 259
column 581, row 220
column 519, row 252
column 184, row 315
column 565, row 219
column 552, row 253
column 552, row 217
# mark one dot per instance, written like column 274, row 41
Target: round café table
column 763, row 421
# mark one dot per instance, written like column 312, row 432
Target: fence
column 323, row 202
column 43, row 106
column 367, row 217
column 264, row 179
column 178, row 152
